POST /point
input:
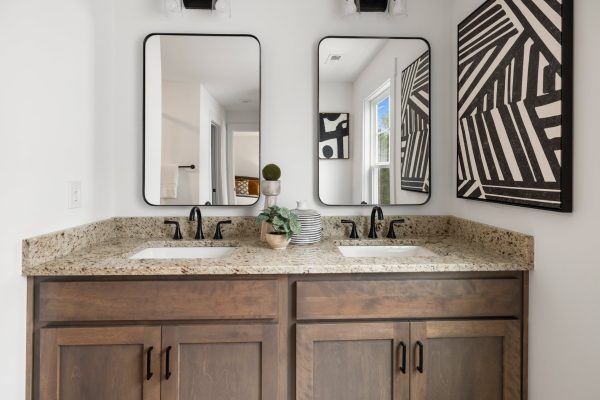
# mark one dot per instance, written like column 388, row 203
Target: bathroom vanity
column 307, row 323
column 120, row 311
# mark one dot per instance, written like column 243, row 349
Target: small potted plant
column 284, row 225
column 271, row 185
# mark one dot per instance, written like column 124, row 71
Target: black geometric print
column 510, row 104
column 334, row 137
column 415, row 132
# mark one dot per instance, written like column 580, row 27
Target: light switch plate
column 75, row 194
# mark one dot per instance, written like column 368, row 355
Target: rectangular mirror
column 201, row 120
column 374, row 121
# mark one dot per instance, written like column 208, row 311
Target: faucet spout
column 195, row 212
column 373, row 230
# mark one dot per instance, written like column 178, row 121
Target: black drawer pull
column 168, row 362
column 402, row 357
column 420, row 364
column 149, row 373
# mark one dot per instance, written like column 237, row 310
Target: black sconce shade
column 372, row 5
column 198, row 4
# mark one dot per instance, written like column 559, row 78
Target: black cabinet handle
column 402, row 357
column 420, row 363
column 149, row 373
column 168, row 362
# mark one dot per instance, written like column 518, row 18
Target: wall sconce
column 219, row 7
column 398, row 7
column 394, row 7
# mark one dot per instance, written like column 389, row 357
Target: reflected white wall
column 153, row 118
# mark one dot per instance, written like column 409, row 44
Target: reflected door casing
column 99, row 363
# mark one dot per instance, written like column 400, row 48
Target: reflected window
column 380, row 137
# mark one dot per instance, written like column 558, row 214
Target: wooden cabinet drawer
column 347, row 300
column 158, row 300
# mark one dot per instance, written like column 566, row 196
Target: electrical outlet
column 75, row 194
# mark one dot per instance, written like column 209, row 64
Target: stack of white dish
column 311, row 225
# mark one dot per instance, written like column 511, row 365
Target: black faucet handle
column 218, row 234
column 178, row 235
column 391, row 233
column 354, row 233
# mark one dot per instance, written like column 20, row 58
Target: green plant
column 271, row 172
column 282, row 220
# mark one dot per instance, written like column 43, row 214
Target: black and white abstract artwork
column 514, row 104
column 334, row 136
column 415, row 129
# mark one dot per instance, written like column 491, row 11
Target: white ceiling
column 356, row 54
column 227, row 66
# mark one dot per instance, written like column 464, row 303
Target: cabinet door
column 100, row 363
column 220, row 362
column 352, row 361
column 467, row 360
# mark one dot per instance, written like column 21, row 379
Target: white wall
column 565, row 286
column 153, row 123
column 289, row 32
column 181, row 136
column 246, row 153
column 55, row 122
column 335, row 176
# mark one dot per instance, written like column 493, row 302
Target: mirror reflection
column 374, row 121
column 202, row 120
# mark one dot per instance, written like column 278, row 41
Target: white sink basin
column 183, row 253
column 385, row 251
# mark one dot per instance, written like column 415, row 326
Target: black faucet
column 391, row 233
column 354, row 233
column 178, row 235
column 197, row 213
column 373, row 230
column 218, row 234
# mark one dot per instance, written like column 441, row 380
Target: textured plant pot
column 271, row 188
column 277, row 241
column 264, row 231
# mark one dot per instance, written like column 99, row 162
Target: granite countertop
column 111, row 257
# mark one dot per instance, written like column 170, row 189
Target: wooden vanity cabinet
column 352, row 361
column 170, row 339
column 430, row 360
column 419, row 339
column 467, row 360
column 100, row 363
column 430, row 336
column 220, row 362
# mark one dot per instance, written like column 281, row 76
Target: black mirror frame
column 144, row 115
column 319, row 107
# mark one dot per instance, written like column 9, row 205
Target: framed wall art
column 334, row 135
column 515, row 104
column 415, row 127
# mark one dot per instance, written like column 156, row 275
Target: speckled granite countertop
column 111, row 257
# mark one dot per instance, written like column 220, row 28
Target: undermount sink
column 385, row 251
column 183, row 253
